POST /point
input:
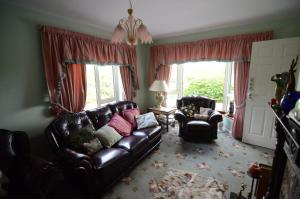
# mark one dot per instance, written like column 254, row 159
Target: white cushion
column 204, row 111
column 146, row 120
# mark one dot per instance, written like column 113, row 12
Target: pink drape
column 61, row 48
column 164, row 73
column 74, row 88
column 231, row 48
column 241, row 76
column 127, row 82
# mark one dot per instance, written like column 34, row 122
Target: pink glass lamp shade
column 132, row 28
column 160, row 87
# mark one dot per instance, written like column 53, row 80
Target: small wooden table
column 163, row 111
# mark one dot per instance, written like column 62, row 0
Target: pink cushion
column 129, row 115
column 123, row 127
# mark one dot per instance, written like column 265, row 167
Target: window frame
column 118, row 91
column 227, row 82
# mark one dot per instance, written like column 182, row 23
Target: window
column 206, row 78
column 104, row 85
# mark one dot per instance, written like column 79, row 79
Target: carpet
column 178, row 184
column 224, row 159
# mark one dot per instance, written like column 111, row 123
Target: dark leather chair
column 195, row 129
column 28, row 175
column 96, row 173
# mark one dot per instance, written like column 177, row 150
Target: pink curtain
column 231, row 48
column 62, row 48
column 164, row 73
column 127, row 82
column 74, row 88
column 241, row 77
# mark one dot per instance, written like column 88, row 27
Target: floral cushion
column 92, row 146
column 129, row 115
column 189, row 110
column 79, row 139
column 123, row 127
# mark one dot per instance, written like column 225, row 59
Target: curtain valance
column 230, row 48
column 62, row 48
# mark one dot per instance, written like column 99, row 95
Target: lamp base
column 160, row 98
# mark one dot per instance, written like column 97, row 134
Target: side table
column 167, row 111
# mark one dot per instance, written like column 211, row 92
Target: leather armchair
column 195, row 129
column 27, row 174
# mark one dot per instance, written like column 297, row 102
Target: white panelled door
column 268, row 58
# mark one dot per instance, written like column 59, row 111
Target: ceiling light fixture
column 134, row 28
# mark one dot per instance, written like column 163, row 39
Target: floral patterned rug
column 177, row 184
column 225, row 160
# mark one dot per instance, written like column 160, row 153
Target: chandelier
column 133, row 28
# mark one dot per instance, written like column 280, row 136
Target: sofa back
column 198, row 101
column 100, row 116
column 63, row 125
column 118, row 107
column 67, row 123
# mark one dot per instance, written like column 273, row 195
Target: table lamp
column 159, row 86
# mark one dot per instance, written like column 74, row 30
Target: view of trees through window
column 205, row 78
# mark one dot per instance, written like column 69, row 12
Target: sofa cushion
column 149, row 132
column 133, row 144
column 92, row 146
column 77, row 138
column 109, row 164
column 197, row 126
column 108, row 136
column 146, row 120
column 120, row 125
column 109, row 156
column 129, row 115
column 189, row 110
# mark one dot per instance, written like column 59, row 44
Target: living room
column 25, row 99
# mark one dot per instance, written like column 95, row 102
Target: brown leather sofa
column 27, row 174
column 194, row 129
column 96, row 173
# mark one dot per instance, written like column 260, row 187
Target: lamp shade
column 159, row 86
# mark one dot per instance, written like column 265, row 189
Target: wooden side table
column 167, row 111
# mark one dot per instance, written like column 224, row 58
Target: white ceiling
column 166, row 18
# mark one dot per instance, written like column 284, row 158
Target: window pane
column 106, row 82
column 204, row 79
column 173, row 78
column 91, row 95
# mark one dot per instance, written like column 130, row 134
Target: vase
column 289, row 100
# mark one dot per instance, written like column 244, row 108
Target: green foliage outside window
column 212, row 88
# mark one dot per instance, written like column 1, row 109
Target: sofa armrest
column 74, row 159
column 215, row 117
column 179, row 116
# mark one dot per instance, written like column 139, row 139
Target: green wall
column 282, row 29
column 22, row 80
